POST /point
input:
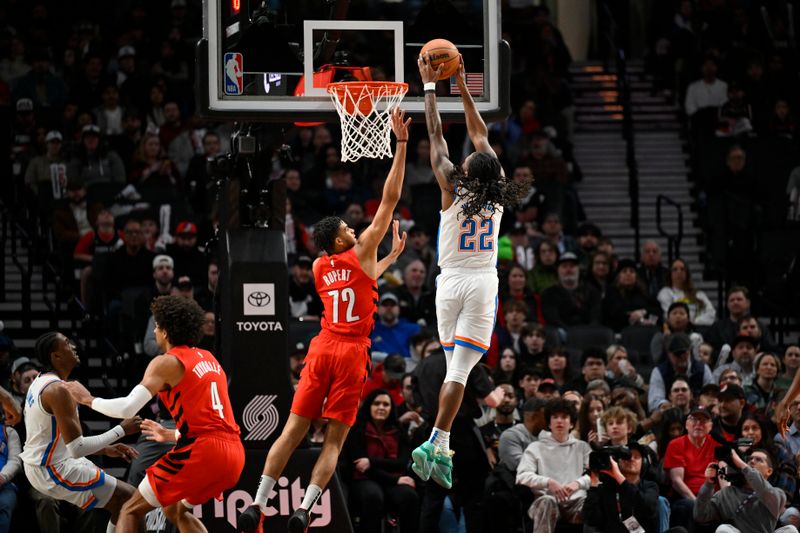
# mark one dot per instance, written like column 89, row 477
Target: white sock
column 262, row 494
column 310, row 498
column 110, row 528
column 440, row 438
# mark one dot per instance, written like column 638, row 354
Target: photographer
column 618, row 493
column 750, row 506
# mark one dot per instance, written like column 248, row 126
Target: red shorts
column 333, row 377
column 198, row 471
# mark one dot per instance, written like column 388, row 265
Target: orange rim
column 374, row 87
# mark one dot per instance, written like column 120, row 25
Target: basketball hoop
column 364, row 109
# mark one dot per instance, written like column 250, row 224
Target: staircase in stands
column 600, row 151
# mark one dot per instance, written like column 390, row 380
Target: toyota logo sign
column 258, row 299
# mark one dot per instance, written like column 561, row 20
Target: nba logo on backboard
column 232, row 63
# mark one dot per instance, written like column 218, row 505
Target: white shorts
column 466, row 307
column 77, row 481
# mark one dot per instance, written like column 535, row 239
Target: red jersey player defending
column 193, row 386
column 338, row 360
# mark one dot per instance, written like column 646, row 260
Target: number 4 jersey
column 468, row 242
column 350, row 296
column 199, row 403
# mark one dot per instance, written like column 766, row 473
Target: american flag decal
column 474, row 84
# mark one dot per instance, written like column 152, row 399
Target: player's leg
column 133, row 510
column 122, row 493
column 335, row 435
column 181, row 515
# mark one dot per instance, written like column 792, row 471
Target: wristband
column 401, row 141
column 429, row 86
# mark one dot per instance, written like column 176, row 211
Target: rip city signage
column 258, row 300
column 329, row 514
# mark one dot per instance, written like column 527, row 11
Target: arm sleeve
column 83, row 446
column 123, row 407
column 14, row 463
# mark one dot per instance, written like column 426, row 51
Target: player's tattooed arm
column 398, row 245
column 440, row 156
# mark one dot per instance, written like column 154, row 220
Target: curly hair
column 44, row 346
column 559, row 405
column 484, row 187
column 325, row 232
column 180, row 318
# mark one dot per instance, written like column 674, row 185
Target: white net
column 365, row 113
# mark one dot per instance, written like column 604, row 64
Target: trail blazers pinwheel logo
column 259, row 299
column 261, row 417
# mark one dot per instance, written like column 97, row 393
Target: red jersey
column 350, row 296
column 199, row 403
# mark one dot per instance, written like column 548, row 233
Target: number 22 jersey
column 468, row 242
column 349, row 295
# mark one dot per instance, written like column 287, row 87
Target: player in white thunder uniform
column 54, row 455
column 473, row 196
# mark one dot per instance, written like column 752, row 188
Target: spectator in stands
column 516, row 289
column 726, row 329
column 304, row 302
column 130, row 266
column 209, row 330
column 93, row 250
column 544, row 160
column 93, row 163
column 705, row 352
column 685, row 462
column 680, row 395
column 680, row 288
column 598, row 388
column 172, row 126
column 532, row 348
column 588, row 236
column 708, row 91
column 744, row 353
column 730, row 375
column 529, row 380
column 791, row 362
column 154, row 108
column 189, row 259
column 10, row 465
column 553, row 467
column 515, row 313
column 23, row 371
column 506, row 370
column 379, row 452
column 388, row 375
column 732, row 405
column 781, row 122
column 759, row 429
column 132, row 132
column 527, row 213
column 618, row 366
column 548, row 390
column 762, row 502
column 586, row 429
column 342, row 191
column 71, row 218
column 651, row 271
column 678, row 362
column 750, row 326
column 516, row 439
column 762, row 394
column 598, row 275
column 545, row 272
column 409, row 411
column 709, row 398
column 205, row 295
column 621, row 494
column 44, row 88
column 151, row 167
column 570, row 303
column 677, row 322
column 417, row 303
column 627, row 302
column 593, row 366
column 554, row 232
column 558, row 366
column 792, row 438
column 109, row 115
column 418, row 169
column 504, row 419
column 736, row 117
column 392, row 334
column 39, row 173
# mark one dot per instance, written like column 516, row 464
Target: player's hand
column 362, row 465
column 121, row 450
column 398, row 243
column 152, row 430
column 400, row 127
column 494, row 398
column 131, row 425
column 79, row 393
column 406, row 480
column 12, row 410
column 426, row 71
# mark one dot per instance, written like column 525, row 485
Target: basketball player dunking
column 338, row 360
column 194, row 387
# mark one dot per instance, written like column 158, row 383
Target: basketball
column 442, row 52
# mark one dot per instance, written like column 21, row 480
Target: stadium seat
column 582, row 337
column 637, row 338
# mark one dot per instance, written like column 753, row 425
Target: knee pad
column 461, row 363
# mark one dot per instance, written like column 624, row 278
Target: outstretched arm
column 370, row 238
column 440, row 157
column 476, row 127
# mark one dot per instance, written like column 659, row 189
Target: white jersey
column 468, row 242
column 43, row 444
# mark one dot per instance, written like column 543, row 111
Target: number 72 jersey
column 349, row 296
column 199, row 403
column 468, row 242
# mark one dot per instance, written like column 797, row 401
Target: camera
column 723, row 453
column 601, row 460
